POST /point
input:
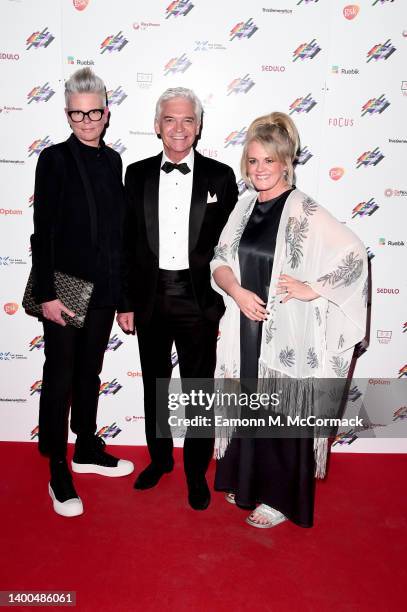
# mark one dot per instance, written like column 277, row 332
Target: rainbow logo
column 114, row 43
column 178, row 8
column 177, row 64
column 34, row 433
column 375, row 105
column 244, row 29
column 242, row 85
column 346, row 437
column 236, row 138
column 114, row 343
column 403, row 371
column 38, row 145
column 110, row 388
column 381, row 51
column 304, row 156
column 354, row 394
column 37, row 343
column 109, row 431
column 242, row 187
column 365, row 208
column 118, row 146
column 42, row 93
column 39, row 39
column 306, row 50
column 400, row 414
column 302, row 105
column 36, row 387
column 116, row 97
column 370, row 158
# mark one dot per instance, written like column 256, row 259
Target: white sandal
column 230, row 497
column 274, row 517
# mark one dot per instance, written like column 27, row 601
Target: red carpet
column 146, row 550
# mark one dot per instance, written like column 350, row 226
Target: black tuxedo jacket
column 65, row 216
column 206, row 222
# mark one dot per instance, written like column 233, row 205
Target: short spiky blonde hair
column 279, row 136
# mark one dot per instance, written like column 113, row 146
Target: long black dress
column 275, row 471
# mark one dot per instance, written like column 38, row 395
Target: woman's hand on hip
column 52, row 311
column 250, row 304
column 290, row 288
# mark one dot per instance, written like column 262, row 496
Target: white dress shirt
column 173, row 215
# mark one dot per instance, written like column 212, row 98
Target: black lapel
column 198, row 199
column 76, row 153
column 151, row 187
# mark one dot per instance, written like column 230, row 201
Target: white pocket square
column 211, row 198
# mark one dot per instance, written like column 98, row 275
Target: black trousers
column 73, row 362
column 176, row 318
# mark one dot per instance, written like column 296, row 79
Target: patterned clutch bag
column 74, row 293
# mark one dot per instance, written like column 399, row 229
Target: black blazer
column 206, row 222
column 65, row 219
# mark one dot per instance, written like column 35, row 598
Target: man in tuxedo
column 178, row 203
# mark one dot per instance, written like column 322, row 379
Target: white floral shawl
column 300, row 340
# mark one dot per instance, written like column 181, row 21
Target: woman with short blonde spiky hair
column 294, row 280
column 79, row 207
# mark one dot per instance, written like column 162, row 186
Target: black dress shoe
column 151, row 476
column 199, row 496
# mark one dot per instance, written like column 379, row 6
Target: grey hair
column 85, row 81
column 179, row 92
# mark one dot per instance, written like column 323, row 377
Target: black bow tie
column 169, row 167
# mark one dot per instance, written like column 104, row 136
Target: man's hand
column 53, row 311
column 126, row 322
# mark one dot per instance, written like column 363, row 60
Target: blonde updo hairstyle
column 279, row 136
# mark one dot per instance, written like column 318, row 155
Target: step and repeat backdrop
column 338, row 69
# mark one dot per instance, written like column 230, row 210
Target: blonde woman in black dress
column 294, row 283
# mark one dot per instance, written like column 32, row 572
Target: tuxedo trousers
column 73, row 362
column 177, row 319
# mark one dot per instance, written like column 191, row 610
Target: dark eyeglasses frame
column 87, row 114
